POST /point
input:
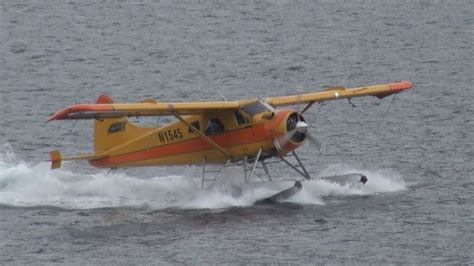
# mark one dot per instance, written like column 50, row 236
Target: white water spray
column 22, row 184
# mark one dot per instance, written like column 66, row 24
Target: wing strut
column 248, row 178
column 304, row 173
column 307, row 107
column 204, row 137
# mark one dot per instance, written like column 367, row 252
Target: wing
column 105, row 108
column 148, row 108
column 340, row 92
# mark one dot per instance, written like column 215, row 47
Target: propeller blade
column 315, row 142
column 283, row 140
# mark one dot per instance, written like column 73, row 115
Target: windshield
column 256, row 108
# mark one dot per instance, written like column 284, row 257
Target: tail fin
column 56, row 160
column 108, row 133
column 112, row 132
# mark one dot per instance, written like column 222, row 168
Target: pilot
column 214, row 127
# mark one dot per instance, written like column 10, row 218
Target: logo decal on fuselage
column 117, row 127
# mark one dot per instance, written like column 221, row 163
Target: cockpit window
column 240, row 118
column 196, row 125
column 214, row 126
column 256, row 108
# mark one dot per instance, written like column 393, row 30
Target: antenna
column 349, row 100
column 220, row 94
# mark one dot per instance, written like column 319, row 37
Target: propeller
column 301, row 127
column 281, row 141
column 298, row 130
column 315, row 142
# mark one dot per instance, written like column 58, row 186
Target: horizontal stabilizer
column 56, row 158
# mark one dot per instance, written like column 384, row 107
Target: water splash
column 380, row 181
column 22, row 184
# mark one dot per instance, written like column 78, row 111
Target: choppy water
column 417, row 207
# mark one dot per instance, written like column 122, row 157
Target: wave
column 22, row 184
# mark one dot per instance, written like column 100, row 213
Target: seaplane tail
column 109, row 134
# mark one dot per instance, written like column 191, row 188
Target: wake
column 22, row 184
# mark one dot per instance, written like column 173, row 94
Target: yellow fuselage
column 128, row 145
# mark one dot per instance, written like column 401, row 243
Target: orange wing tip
column 395, row 87
column 59, row 115
column 63, row 114
column 56, row 159
column 400, row 85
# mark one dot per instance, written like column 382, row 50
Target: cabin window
column 255, row 108
column 240, row 118
column 214, row 126
column 196, row 125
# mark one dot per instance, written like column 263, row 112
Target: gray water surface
column 417, row 148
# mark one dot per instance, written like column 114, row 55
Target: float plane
column 246, row 132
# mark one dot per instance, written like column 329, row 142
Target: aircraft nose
column 301, row 127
